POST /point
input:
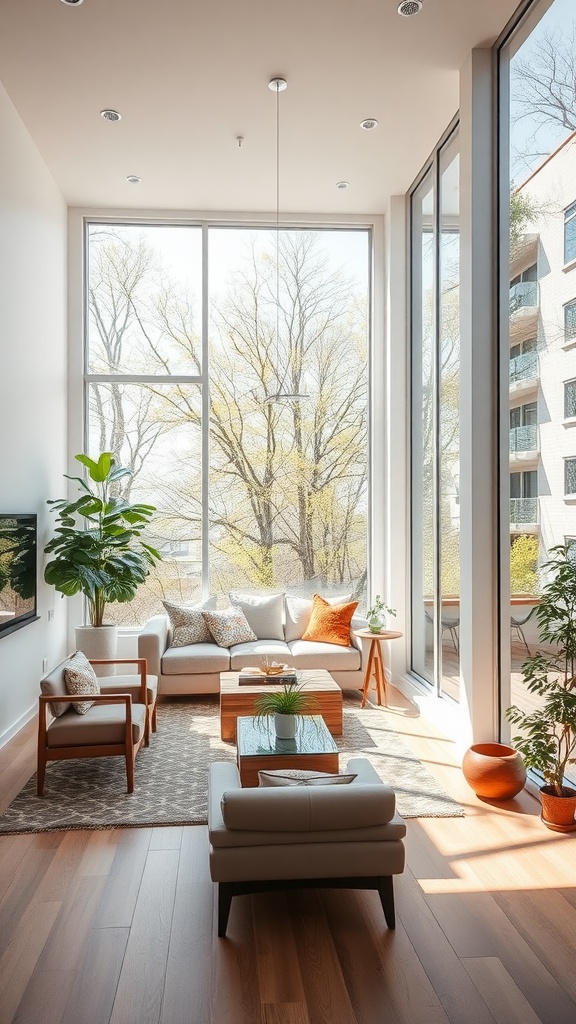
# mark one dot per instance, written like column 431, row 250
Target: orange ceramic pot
column 558, row 811
column 494, row 771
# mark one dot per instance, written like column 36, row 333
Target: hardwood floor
column 119, row 925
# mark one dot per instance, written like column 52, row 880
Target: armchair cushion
column 105, row 724
column 80, row 678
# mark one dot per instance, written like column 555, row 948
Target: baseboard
column 5, row 737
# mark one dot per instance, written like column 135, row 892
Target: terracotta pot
column 558, row 812
column 494, row 771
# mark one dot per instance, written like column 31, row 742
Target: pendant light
column 279, row 85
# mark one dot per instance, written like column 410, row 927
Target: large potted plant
column 547, row 739
column 97, row 549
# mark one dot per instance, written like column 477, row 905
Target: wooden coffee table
column 259, row 749
column 238, row 700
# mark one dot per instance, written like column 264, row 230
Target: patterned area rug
column 171, row 775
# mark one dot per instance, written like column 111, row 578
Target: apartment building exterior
column 542, row 371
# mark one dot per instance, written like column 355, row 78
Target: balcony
column 524, row 374
column 524, row 311
column 523, row 295
column 524, row 515
column 524, row 442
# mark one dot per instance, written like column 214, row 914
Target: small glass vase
column 376, row 622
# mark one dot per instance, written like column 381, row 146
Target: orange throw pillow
column 330, row 623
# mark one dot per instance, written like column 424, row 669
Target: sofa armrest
column 152, row 643
column 358, row 622
column 223, row 778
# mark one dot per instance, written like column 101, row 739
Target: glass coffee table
column 259, row 749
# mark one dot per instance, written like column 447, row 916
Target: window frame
column 570, row 221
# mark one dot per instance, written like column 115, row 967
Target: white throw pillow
column 188, row 626
column 300, row 777
column 80, row 677
column 299, row 610
column 229, row 627
column 264, row 613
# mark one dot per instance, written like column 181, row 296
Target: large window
column 570, row 234
column 537, row 64
column 435, row 392
column 228, row 368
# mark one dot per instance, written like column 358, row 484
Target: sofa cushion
column 229, row 627
column 195, row 659
column 310, row 654
column 80, row 677
column 254, row 652
column 264, row 613
column 188, row 624
column 298, row 611
column 300, row 777
column 330, row 623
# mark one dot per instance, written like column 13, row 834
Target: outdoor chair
column 516, row 628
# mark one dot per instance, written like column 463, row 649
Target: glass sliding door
column 435, row 393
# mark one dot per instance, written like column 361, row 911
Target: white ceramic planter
column 285, row 726
column 98, row 642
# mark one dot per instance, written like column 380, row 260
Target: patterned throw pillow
column 80, row 677
column 229, row 627
column 188, row 626
column 300, row 777
column 330, row 623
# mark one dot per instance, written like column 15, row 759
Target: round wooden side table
column 375, row 663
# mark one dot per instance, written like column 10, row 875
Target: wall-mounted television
column 18, row 536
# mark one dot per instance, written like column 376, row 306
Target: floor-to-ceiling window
column 435, row 444
column 539, row 167
column 227, row 367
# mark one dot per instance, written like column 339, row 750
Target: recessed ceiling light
column 72, row 3
column 369, row 123
column 110, row 115
column 409, row 7
column 342, row 184
column 133, row 179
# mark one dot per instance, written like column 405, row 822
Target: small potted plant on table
column 285, row 703
column 376, row 615
column 548, row 733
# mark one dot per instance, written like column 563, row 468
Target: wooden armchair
column 115, row 726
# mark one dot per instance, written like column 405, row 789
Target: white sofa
column 278, row 621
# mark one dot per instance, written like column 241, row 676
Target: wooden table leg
column 373, row 644
column 380, row 675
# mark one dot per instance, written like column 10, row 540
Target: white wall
column 32, row 390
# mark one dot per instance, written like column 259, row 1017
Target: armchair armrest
column 152, row 643
column 98, row 698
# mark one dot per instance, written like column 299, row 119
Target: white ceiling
column 189, row 76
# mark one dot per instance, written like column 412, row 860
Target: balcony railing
column 524, row 439
column 523, row 510
column 524, row 367
column 523, row 294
